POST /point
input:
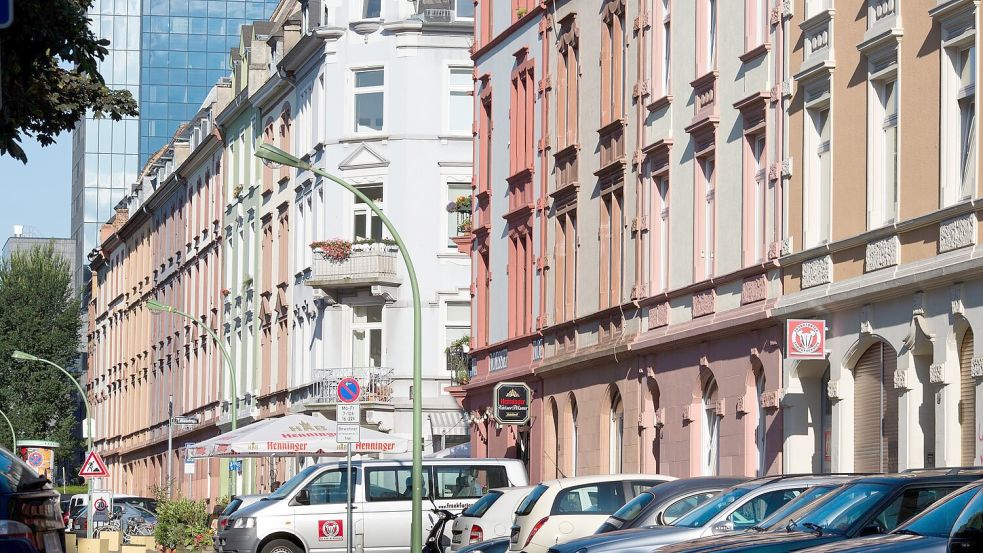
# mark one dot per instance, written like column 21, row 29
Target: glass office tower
column 168, row 54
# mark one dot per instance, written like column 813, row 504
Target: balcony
column 377, row 385
column 371, row 266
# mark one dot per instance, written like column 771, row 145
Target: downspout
column 545, row 27
column 256, row 267
column 640, row 196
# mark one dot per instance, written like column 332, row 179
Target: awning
column 449, row 423
column 294, row 436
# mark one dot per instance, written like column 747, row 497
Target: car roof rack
column 780, row 477
column 945, row 470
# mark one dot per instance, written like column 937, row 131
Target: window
column 683, row 506
column 818, row 193
column 568, row 85
column 939, row 521
column 966, row 98
column 707, row 180
column 367, row 336
column 959, row 123
column 365, row 223
column 327, row 488
column 369, row 99
column 591, row 499
column 612, row 245
column 565, row 254
column 484, row 304
column 393, row 484
column 969, row 525
column 662, row 208
column 520, row 281
column 372, row 9
column 760, row 431
column 759, row 198
column 756, row 32
column 459, row 218
column 616, row 435
column 613, row 74
column 464, row 9
column 484, row 173
column 662, row 47
column 522, row 148
column 457, row 322
column 480, row 507
column 710, row 430
column 884, row 186
column 487, row 22
column 756, row 509
column 709, row 36
column 459, row 105
column 467, row 482
column 574, row 444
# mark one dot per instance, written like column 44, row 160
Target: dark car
column 666, row 502
column 127, row 512
column 953, row 524
column 497, row 545
column 30, row 514
column 865, row 506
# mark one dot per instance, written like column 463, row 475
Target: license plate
column 514, row 537
column 456, row 537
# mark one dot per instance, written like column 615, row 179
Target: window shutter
column 967, row 400
column 867, row 411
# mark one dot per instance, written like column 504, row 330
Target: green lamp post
column 21, row 356
column 13, row 435
column 275, row 155
column 156, row 307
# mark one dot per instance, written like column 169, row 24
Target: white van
column 307, row 513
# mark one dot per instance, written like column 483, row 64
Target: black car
column 497, row 545
column 953, row 524
column 865, row 506
column 30, row 513
column 666, row 502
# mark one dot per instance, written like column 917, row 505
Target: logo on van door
column 330, row 530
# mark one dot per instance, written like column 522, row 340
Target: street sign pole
column 348, row 499
column 348, row 414
column 170, row 445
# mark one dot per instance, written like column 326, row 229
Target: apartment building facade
column 884, row 213
column 162, row 243
column 642, row 324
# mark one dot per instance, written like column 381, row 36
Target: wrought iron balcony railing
column 377, row 384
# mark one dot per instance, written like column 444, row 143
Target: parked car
column 30, row 515
column 558, row 511
column 147, row 503
column 738, row 508
column 491, row 517
column 237, row 502
column 863, row 507
column 666, row 502
column 308, row 512
column 496, row 545
column 127, row 512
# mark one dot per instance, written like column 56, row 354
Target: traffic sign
column 94, row 467
column 185, row 420
column 348, row 433
column 102, row 503
column 235, row 465
column 349, row 390
column 349, row 413
column 6, row 13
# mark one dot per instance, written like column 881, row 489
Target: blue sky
column 38, row 195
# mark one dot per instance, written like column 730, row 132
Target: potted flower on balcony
column 374, row 245
column 336, row 249
column 463, row 204
column 457, row 360
column 226, row 291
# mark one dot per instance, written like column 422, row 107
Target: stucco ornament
column 704, row 303
column 754, row 289
column 817, row 271
column 957, row 232
column 882, row 253
column 936, row 374
column 741, row 407
column 688, row 413
column 660, row 417
column 659, row 315
column 901, row 379
column 976, row 367
column 772, row 399
column 833, row 389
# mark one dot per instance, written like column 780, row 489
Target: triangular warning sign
column 94, row 467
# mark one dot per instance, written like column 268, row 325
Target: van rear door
column 320, row 514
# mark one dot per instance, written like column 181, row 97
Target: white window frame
column 757, row 144
column 367, row 327
column 616, row 436
column 882, row 70
column 709, row 432
column 958, row 36
column 448, row 324
column 711, row 36
column 364, row 10
column 760, row 430
column 662, row 198
column 352, row 129
column 666, row 77
column 363, row 209
column 463, row 181
column 708, row 169
column 453, row 90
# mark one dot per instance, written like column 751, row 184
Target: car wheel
column 282, row 546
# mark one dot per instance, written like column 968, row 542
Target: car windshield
column 938, row 521
column 530, row 501
column 798, row 506
column 843, row 508
column 633, row 508
column 481, row 506
column 290, row 485
column 703, row 514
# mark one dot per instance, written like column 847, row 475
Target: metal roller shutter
column 867, row 412
column 967, row 401
column 889, row 406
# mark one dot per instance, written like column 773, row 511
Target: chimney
column 18, row 231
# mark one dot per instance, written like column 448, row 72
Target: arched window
column 573, row 436
column 710, row 430
column 759, row 430
column 967, row 400
column 616, row 435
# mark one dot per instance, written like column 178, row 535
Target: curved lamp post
column 156, row 307
column 13, row 435
column 21, row 356
column 276, row 155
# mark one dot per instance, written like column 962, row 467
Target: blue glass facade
column 168, row 54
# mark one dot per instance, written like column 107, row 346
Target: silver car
column 739, row 508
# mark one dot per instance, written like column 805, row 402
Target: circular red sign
column 349, row 390
column 100, row 504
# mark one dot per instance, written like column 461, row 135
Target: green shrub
column 182, row 523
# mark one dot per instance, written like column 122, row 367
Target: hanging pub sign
column 805, row 339
column 512, row 401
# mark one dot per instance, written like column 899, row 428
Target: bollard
column 131, row 548
column 146, row 542
column 71, row 543
column 114, row 539
column 94, row 545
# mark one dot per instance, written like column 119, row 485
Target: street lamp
column 13, row 435
column 156, row 307
column 270, row 153
column 21, row 356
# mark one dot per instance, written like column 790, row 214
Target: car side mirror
column 723, row 527
column 303, row 497
column 871, row 530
